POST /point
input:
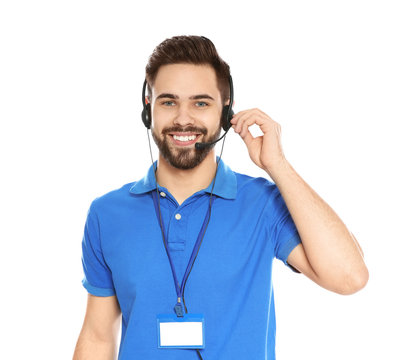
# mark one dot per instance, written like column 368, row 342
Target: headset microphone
column 203, row 145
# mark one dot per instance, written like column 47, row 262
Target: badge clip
column 178, row 309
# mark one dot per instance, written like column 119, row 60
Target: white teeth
column 184, row 138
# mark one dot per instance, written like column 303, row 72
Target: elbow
column 355, row 282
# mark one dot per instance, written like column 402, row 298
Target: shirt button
column 178, row 216
column 163, row 194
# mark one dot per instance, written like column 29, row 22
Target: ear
column 228, row 101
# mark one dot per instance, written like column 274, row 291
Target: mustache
column 189, row 128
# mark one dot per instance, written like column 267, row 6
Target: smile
column 184, row 138
column 180, row 139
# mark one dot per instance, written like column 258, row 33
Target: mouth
column 184, row 139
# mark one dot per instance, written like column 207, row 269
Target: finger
column 236, row 117
column 263, row 120
column 249, row 119
column 239, row 114
column 248, row 138
column 240, row 120
column 245, row 135
column 246, row 123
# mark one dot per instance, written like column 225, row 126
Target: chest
column 233, row 244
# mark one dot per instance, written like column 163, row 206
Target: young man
column 139, row 239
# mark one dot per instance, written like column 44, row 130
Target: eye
column 168, row 103
column 201, row 104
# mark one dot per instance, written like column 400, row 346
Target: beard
column 184, row 158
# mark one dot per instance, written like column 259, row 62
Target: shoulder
column 259, row 198
column 255, row 185
column 259, row 193
column 112, row 198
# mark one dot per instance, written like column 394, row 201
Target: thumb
column 248, row 138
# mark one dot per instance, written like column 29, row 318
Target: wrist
column 278, row 169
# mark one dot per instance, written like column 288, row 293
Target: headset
column 227, row 114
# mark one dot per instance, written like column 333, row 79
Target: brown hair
column 191, row 49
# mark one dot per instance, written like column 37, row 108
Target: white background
column 332, row 73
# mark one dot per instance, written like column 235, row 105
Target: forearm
column 90, row 348
column 329, row 246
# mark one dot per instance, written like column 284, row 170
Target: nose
column 183, row 117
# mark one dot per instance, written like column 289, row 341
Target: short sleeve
column 98, row 277
column 284, row 233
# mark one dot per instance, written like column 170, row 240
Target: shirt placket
column 177, row 238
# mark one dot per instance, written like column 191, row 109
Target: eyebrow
column 194, row 97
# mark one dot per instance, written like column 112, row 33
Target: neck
column 184, row 183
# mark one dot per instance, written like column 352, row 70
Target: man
column 139, row 239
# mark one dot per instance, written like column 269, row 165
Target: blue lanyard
column 180, row 289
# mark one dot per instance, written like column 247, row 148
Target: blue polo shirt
column 231, row 282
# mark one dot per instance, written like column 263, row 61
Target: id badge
column 181, row 332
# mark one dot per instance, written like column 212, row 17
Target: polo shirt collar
column 225, row 184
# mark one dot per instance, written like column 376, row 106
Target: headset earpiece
column 146, row 115
column 146, row 112
column 227, row 112
column 227, row 115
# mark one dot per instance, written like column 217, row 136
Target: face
column 186, row 108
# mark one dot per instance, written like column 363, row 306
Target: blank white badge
column 181, row 332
